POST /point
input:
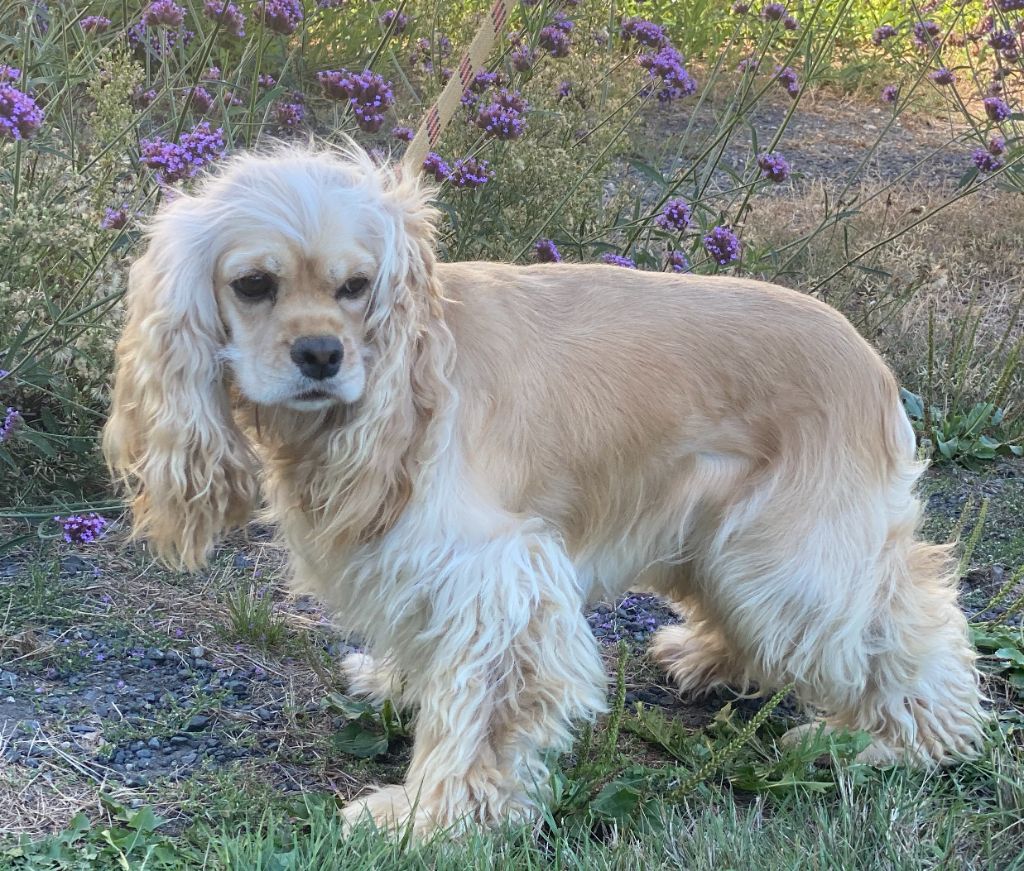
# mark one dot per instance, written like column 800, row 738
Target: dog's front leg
column 503, row 667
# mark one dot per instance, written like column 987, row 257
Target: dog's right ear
column 170, row 437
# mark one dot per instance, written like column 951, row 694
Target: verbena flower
column 748, row 65
column 470, row 172
column 368, row 94
column 667, row 65
column 95, row 24
column 677, row 261
column 1002, row 40
column 675, row 216
column 141, row 99
column 435, row 165
column 405, row 134
column 773, row 166
column 788, row 78
column 740, row 7
column 176, row 161
column 985, row 161
column 554, row 40
column 266, row 81
column 1009, row 5
column 400, row 19
column 773, row 11
column 881, row 34
column 723, row 246
column 281, row 16
column 9, row 73
column 157, row 43
column 943, row 76
column 114, row 219
column 546, row 251
column 523, row 58
column 20, row 117
column 212, row 73
column 289, row 113
column 563, row 90
column 79, row 529
column 926, row 34
column 563, row 22
column 617, row 260
column 10, row 419
column 996, row 109
column 163, row 13
column 202, row 100
column 644, row 32
column 890, row 93
column 230, row 17
column 503, row 118
column 230, row 98
column 790, row 23
column 996, row 145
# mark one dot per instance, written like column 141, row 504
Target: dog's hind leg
column 371, row 677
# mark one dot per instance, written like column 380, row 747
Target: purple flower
column 644, row 32
column 773, row 166
column 926, row 33
column 400, row 19
column 996, row 145
column 943, row 76
column 470, row 172
column 790, row 23
column 997, row 110
column 20, row 117
column 748, row 64
column 369, row 95
column 985, row 161
column 881, row 34
column 114, row 219
column 9, row 73
column 94, row 24
column 564, row 89
column 163, row 13
column 213, row 74
column 289, row 113
column 617, row 260
column 740, row 7
column 554, row 40
column 678, row 261
column 1002, row 40
column 82, row 530
column 281, row 16
column 773, row 11
column 330, row 4
column 405, row 134
column 546, row 251
column 229, row 16
column 667, row 65
column 141, row 99
column 434, row 164
column 157, row 44
column 229, row 98
column 563, row 22
column 787, row 77
column 266, row 81
column 10, row 421
column 503, row 118
column 890, row 93
column 523, row 58
column 723, row 246
column 202, row 101
column 1010, row 5
column 173, row 162
column 675, row 216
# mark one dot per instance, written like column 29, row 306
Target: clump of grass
column 252, row 618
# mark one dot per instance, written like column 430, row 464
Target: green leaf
column 350, row 708
column 358, row 741
column 948, row 448
column 913, row 403
column 618, row 800
column 1013, row 654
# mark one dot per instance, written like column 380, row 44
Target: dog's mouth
column 313, row 399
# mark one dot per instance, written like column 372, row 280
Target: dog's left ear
column 408, row 197
column 170, row 437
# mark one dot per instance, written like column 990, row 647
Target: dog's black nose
column 317, row 357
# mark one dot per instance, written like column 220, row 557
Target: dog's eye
column 255, row 287
column 353, row 287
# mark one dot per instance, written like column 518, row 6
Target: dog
column 460, row 455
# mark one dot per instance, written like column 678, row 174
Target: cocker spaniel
column 460, row 455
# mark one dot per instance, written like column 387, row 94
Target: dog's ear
column 408, row 198
column 171, row 438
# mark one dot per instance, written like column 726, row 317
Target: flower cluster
column 176, row 161
column 503, row 118
column 403, row 134
column 10, row 421
column 435, row 165
column 202, row 99
column 163, row 13
column 618, row 260
column 399, row 20
column 644, row 32
column 157, row 43
column 563, row 90
column 229, row 16
column 675, row 216
column 114, row 219
column 266, row 81
column 883, row 33
column 80, row 529
column 787, row 77
column 281, row 16
column 523, row 58
column 666, row 64
column 95, row 24
column 546, row 251
column 369, row 95
column 290, row 113
column 926, row 34
column 996, row 109
column 677, row 261
column 986, row 161
column 9, row 73
column 470, row 172
column 554, row 40
column 723, row 246
column 890, row 93
column 943, row 76
column 20, row 117
column 773, row 166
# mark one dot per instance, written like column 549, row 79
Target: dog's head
column 291, row 275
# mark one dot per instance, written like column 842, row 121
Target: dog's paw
column 391, row 810
column 877, row 754
column 696, row 662
column 369, row 677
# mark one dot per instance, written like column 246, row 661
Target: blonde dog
column 460, row 455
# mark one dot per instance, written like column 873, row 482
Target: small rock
column 155, row 653
column 197, row 723
column 154, row 743
column 197, row 652
column 136, row 780
column 189, row 758
column 180, row 741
